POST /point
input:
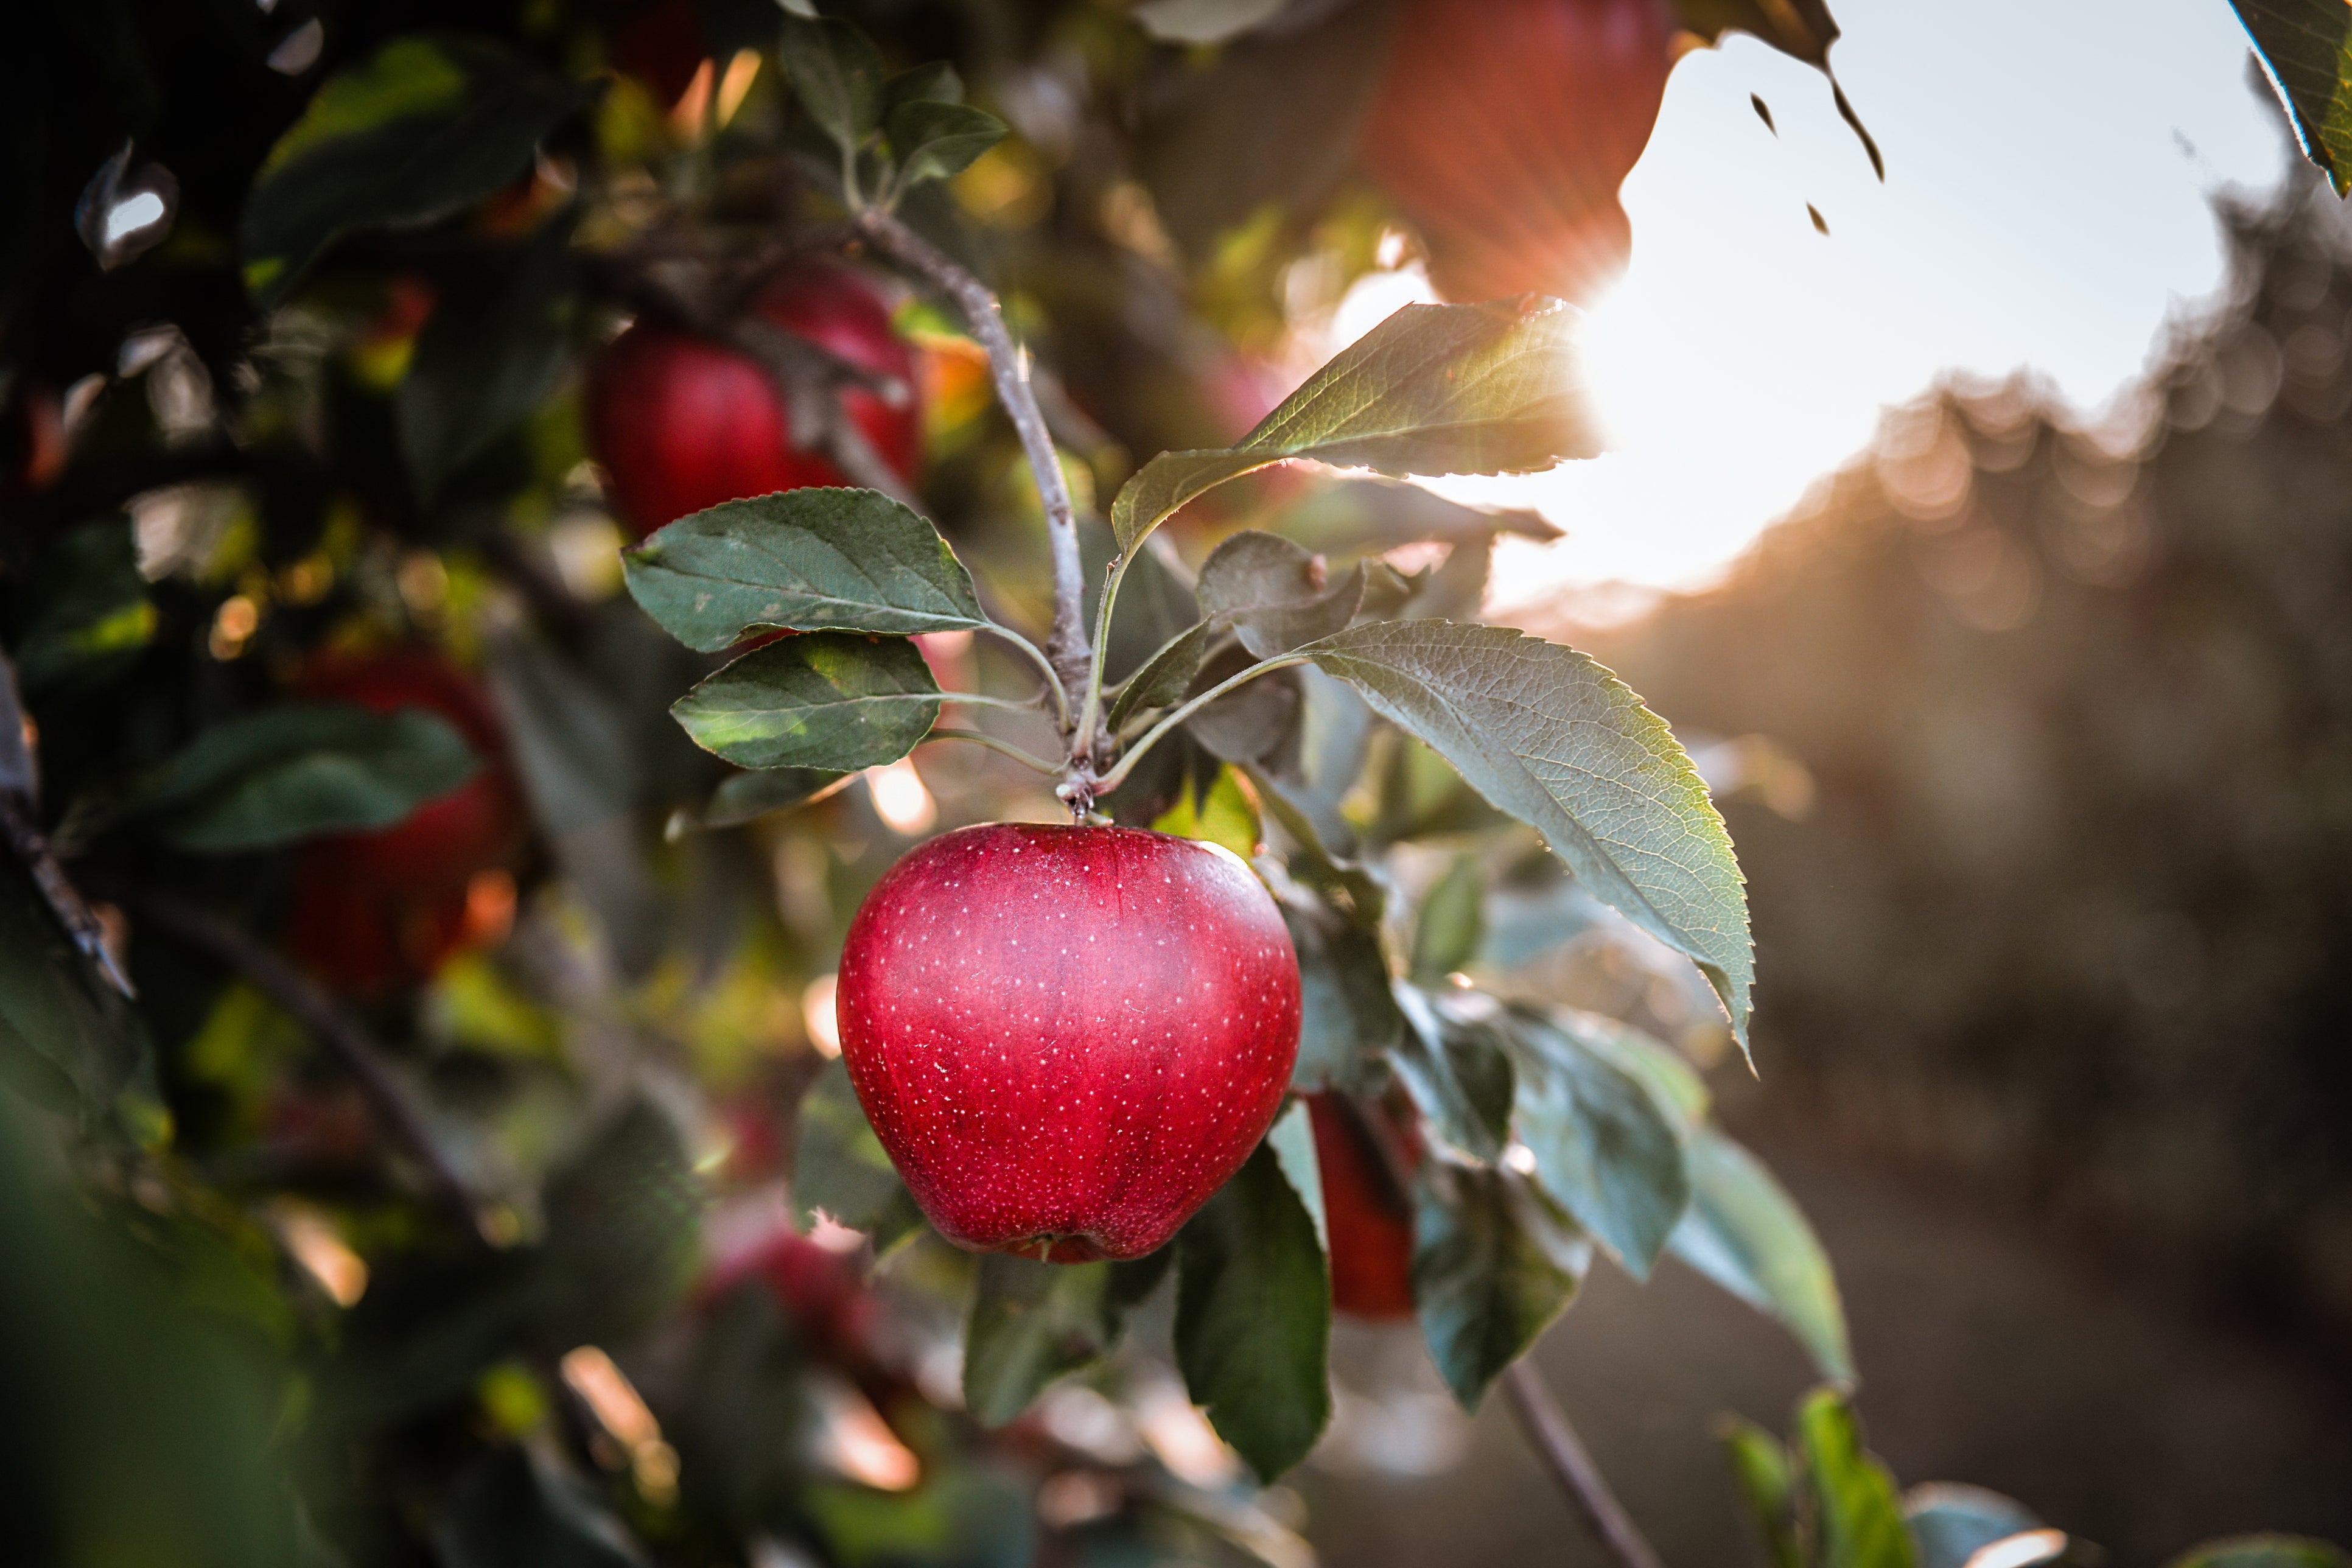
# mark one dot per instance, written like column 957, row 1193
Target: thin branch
column 1036, row 655
column 1564, row 1454
column 1068, row 647
column 303, row 999
column 20, row 797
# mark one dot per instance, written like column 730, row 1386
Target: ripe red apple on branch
column 1369, row 1221
column 682, row 423
column 1504, row 129
column 1067, row 1038
column 372, row 910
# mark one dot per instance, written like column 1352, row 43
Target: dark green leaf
column 1493, row 1264
column 837, row 77
column 570, row 742
column 840, row 1170
column 1434, row 389
column 1202, row 21
column 937, row 82
column 1251, row 722
column 490, row 353
column 424, row 127
column 1452, row 923
column 1852, row 1518
column 825, row 700
column 1674, row 1084
column 1273, row 594
column 1606, row 1149
column 1745, row 1232
column 1033, row 1321
column 1949, row 1523
column 815, row 560
column 2266, row 1551
column 1456, row 1071
column 64, row 1040
column 293, row 771
column 624, row 1226
column 513, row 1505
column 938, row 141
column 1351, row 517
column 1348, row 1012
column 84, row 609
column 1759, row 1472
column 1253, row 1317
column 1167, row 676
column 1546, row 734
column 753, row 794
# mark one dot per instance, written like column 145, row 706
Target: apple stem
column 1570, row 1463
column 1004, row 748
column 1067, row 647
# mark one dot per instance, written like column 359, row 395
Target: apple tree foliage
column 295, row 306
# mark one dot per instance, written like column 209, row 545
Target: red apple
column 821, row 1292
column 1067, row 1038
column 1370, row 1228
column 371, row 910
column 1504, row 128
column 681, row 423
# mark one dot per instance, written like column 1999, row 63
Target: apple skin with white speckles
column 1067, row 1038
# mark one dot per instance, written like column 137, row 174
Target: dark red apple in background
column 1502, row 128
column 1370, row 1225
column 1067, row 1038
column 821, row 1292
column 681, row 423
column 372, row 910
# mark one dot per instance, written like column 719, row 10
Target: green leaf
column 840, row 1170
column 1457, row 1073
column 84, row 609
column 1031, row 1322
column 1545, row 733
column 1950, row 1523
column 1674, row 1084
column 624, row 1226
column 837, row 77
column 1759, row 1473
column 819, row 559
column 2306, row 49
column 1220, row 814
column 426, row 126
column 1493, row 1264
column 304, row 769
column 1253, row 1317
column 1204, row 21
column 1292, row 1139
column 1446, row 937
column 1251, row 722
column 1350, row 517
column 1167, row 676
column 66, row 1039
column 1434, row 389
column 940, row 140
column 1347, row 1011
column 1606, row 1149
column 2265, row 1551
column 513, row 1505
column 825, row 700
column 1273, row 594
column 488, row 355
column 937, row 82
column 753, row 794
column 1745, row 1232
column 1853, row 1518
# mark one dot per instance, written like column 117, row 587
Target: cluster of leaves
column 1822, row 1501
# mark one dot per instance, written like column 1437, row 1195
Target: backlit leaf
column 828, row 700
column 1853, row 1520
column 1745, row 1232
column 2306, row 48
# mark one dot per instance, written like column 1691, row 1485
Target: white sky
column 2049, row 165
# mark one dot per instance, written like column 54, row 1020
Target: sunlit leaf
column 1545, row 733
column 1434, row 389
column 2306, row 48
column 1253, row 1317
column 1759, row 1473
column 815, row 560
column 1853, row 1519
column 828, row 700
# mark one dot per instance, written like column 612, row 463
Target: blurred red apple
column 1504, row 129
column 820, row 1290
column 372, row 910
column 1067, row 1038
column 681, row 423
column 1371, row 1225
